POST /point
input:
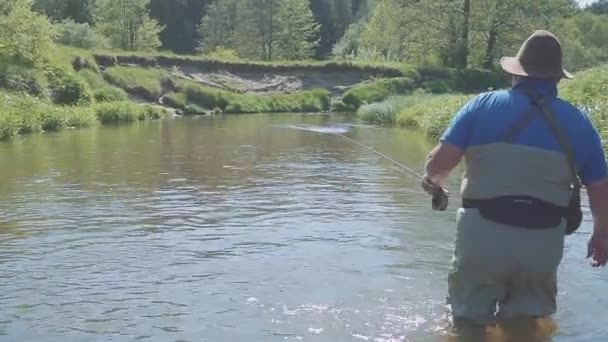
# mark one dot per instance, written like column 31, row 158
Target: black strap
column 539, row 101
column 520, row 125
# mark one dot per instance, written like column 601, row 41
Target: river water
column 236, row 229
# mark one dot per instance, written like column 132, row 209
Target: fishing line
column 341, row 133
column 381, row 155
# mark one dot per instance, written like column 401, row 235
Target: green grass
column 433, row 115
column 165, row 58
column 15, row 77
column 210, row 99
column 376, row 91
column 144, row 82
column 24, row 114
column 102, row 90
column 126, row 112
column 589, row 91
column 427, row 112
column 385, row 113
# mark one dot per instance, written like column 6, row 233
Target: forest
column 456, row 33
column 83, row 62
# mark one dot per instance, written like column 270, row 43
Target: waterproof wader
column 502, row 271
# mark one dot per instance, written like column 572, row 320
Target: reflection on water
column 239, row 229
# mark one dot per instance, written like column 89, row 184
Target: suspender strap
column 563, row 140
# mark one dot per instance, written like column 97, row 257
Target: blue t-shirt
column 488, row 117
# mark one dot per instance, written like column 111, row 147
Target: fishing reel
column 440, row 199
column 440, row 195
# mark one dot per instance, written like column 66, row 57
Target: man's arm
column 441, row 161
column 594, row 176
column 598, row 203
column 453, row 143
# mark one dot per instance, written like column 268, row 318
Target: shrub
column 80, row 116
column 432, row 115
column 19, row 78
column 110, row 94
column 440, row 80
column 117, row 112
column 385, row 113
column 67, row 88
column 126, row 112
column 52, row 118
column 377, row 90
column 79, row 35
column 223, row 54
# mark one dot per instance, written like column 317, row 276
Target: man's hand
column 597, row 249
column 428, row 186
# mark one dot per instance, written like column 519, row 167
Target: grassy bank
column 192, row 97
column 25, row 114
column 434, row 80
column 432, row 113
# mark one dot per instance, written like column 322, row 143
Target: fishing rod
column 440, row 199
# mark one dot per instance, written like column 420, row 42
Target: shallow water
column 236, row 229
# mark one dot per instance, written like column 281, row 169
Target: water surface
column 235, row 229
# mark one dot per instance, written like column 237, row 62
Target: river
column 236, row 229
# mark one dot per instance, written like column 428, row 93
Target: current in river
column 237, row 228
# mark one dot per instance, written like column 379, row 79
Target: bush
column 79, row 35
column 52, row 118
column 223, row 54
column 126, row 112
column 117, row 112
column 67, row 88
column 375, row 91
column 433, row 114
column 110, row 94
column 80, row 117
column 441, row 80
column 385, row 113
column 15, row 77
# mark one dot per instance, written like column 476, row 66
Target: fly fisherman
column 519, row 190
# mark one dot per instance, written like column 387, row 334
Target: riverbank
column 74, row 87
column 432, row 113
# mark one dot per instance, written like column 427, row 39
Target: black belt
column 519, row 211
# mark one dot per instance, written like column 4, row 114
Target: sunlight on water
column 333, row 129
column 245, row 228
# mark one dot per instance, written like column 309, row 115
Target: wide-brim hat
column 540, row 56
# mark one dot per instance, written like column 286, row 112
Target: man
column 505, row 154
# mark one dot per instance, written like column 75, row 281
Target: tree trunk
column 463, row 51
column 271, row 30
column 488, row 61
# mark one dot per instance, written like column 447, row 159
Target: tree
column 127, row 24
column 256, row 29
column 298, row 30
column 181, row 19
column 80, row 11
column 598, row 7
column 334, row 17
column 25, row 36
column 217, row 28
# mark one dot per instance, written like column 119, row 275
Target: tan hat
column 540, row 56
